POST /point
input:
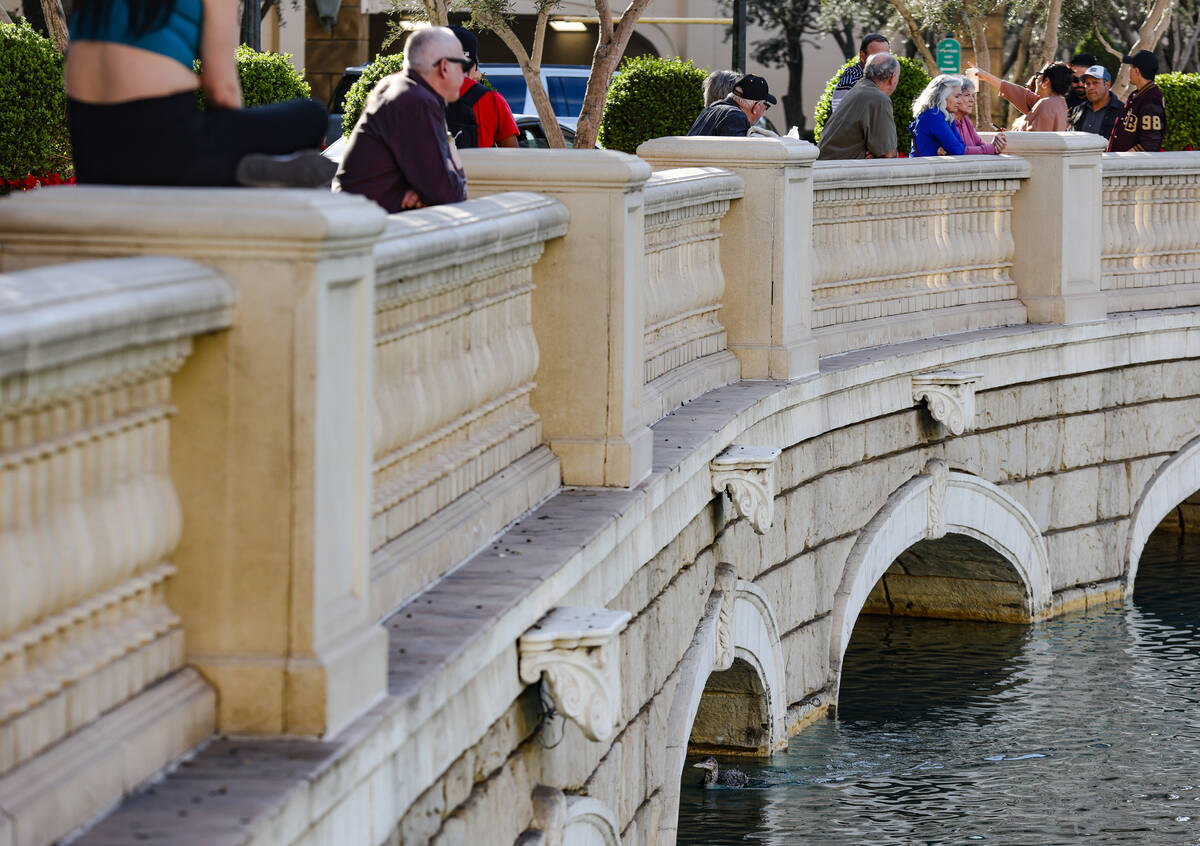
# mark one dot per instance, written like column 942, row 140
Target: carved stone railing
column 1150, row 230
column 454, row 369
column 89, row 515
column 684, row 344
column 912, row 248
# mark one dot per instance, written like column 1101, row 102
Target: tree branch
column 532, row 71
column 56, row 23
column 1050, row 43
column 1157, row 20
column 914, row 32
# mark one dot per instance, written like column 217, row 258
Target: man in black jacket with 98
column 733, row 116
column 1142, row 125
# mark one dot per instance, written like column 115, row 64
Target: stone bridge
column 463, row 526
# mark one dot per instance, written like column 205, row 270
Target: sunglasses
column 465, row 64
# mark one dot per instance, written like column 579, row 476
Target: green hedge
column 913, row 80
column 356, row 97
column 33, row 107
column 266, row 77
column 1181, row 99
column 648, row 98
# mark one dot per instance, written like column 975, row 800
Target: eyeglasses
column 465, row 64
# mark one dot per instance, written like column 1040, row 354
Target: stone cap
column 668, row 189
column 68, row 312
column 1150, row 164
column 755, row 152
column 870, row 173
column 574, row 628
column 551, row 171
column 124, row 218
column 443, row 236
column 1041, row 143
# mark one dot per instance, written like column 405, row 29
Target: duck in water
column 724, row 778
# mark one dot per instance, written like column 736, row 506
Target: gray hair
column 936, row 93
column 881, row 67
column 718, row 85
column 425, row 47
column 968, row 85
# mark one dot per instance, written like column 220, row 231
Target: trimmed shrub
column 356, row 97
column 1181, row 99
column 265, row 78
column 913, row 80
column 648, row 98
column 34, row 144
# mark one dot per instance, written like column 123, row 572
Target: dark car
column 531, row 134
column 333, row 130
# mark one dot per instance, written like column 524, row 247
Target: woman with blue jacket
column 934, row 110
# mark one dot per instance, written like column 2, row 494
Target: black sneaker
column 305, row 169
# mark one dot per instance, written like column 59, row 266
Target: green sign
column 949, row 56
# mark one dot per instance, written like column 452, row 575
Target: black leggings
column 171, row 141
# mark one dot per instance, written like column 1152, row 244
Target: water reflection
column 1082, row 728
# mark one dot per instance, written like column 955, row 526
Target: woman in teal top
column 132, row 107
column 934, row 110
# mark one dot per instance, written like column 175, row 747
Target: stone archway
column 741, row 637
column 1172, row 483
column 938, row 503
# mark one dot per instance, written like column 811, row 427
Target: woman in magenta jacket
column 966, row 129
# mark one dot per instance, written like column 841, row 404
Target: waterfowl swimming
column 725, row 778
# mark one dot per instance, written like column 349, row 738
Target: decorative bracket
column 726, row 585
column 749, row 474
column 950, row 395
column 575, row 649
column 939, row 478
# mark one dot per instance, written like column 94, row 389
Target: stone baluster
column 766, row 247
column 587, row 306
column 271, row 448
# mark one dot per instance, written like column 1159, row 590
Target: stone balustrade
column 904, row 249
column 455, row 359
column 1150, row 230
column 89, row 514
column 684, row 343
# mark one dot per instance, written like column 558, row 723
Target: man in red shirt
column 481, row 117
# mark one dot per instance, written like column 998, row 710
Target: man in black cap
column 480, row 117
column 1143, row 122
column 734, row 115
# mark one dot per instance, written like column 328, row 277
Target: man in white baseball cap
column 1100, row 109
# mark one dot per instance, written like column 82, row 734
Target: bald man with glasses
column 399, row 154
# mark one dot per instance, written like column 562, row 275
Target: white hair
column 426, row 47
column 880, row 67
column 718, row 85
column 935, row 95
column 968, row 85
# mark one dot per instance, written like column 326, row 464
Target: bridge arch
column 757, row 658
column 1174, row 481
column 936, row 504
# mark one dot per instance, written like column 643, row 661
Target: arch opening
column 1168, row 508
column 945, row 545
column 734, row 713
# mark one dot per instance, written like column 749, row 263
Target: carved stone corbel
column 748, row 472
column 726, row 585
column 575, row 649
column 950, row 396
column 939, row 477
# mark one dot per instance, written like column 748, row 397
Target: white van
column 566, row 85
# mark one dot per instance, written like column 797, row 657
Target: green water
column 1085, row 728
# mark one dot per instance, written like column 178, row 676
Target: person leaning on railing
column 966, row 129
column 863, row 127
column 133, row 114
column 933, row 129
column 1044, row 110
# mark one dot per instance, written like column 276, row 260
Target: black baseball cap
column 469, row 42
column 751, row 87
column 1143, row 60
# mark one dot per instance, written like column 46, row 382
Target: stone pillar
column 587, row 306
column 766, row 247
column 271, row 447
column 1056, row 226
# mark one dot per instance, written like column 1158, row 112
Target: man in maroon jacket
column 1143, row 122
column 399, row 153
